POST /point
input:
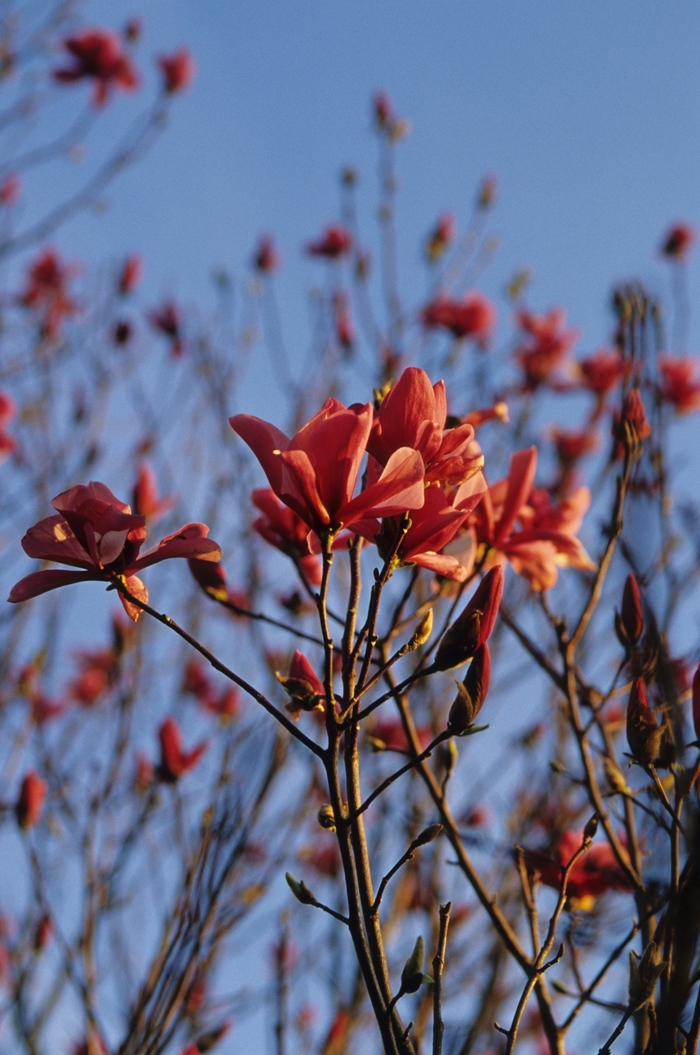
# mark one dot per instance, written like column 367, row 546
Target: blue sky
column 587, row 113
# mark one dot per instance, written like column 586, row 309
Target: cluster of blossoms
column 415, row 466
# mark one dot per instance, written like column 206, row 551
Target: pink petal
column 398, row 489
column 263, row 439
column 42, row 581
column 520, row 480
column 190, row 541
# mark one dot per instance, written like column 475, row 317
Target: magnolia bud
column 300, row 890
column 422, row 632
column 473, row 627
column 643, row 732
column 590, row 829
column 644, row 976
column 326, row 817
column 471, row 693
column 427, row 835
column 412, row 975
column 629, row 622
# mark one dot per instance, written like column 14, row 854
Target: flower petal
column 42, row 581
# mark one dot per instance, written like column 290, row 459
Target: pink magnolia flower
column 282, row 528
column 146, row 499
column 680, row 384
column 98, row 55
column 266, row 258
column 413, row 414
column 545, row 540
column 174, row 760
column 303, row 686
column 46, row 292
column 678, row 242
column 601, row 372
column 178, row 70
column 595, row 872
column 474, row 316
column 97, row 533
column 131, row 274
column 336, row 241
column 30, row 803
column 97, row 669
column 544, row 344
column 315, row 472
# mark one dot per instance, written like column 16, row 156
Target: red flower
column 315, row 472
column 678, row 242
column 97, row 533
column 131, row 274
column 595, row 872
column 572, row 446
column 388, row 734
column 178, row 70
column 30, row 803
column 145, row 498
column 344, row 326
column 545, row 343
column 546, row 539
column 98, row 55
column 97, row 670
column 174, row 760
column 197, row 682
column 474, row 316
column 8, row 409
column 266, row 259
column 10, row 189
column 282, row 528
column 168, row 321
column 601, row 372
column 413, row 414
column 441, row 237
column 336, row 241
column 680, row 385
column 46, row 291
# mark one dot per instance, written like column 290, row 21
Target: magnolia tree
column 425, row 672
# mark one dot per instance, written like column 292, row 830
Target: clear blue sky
column 587, row 113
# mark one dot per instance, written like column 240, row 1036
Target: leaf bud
column 473, row 627
column 300, row 890
column 471, row 693
column 591, row 828
column 428, row 834
column 326, row 817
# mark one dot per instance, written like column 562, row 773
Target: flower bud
column 643, row 732
column 422, row 631
column 412, row 975
column 471, row 693
column 30, row 803
column 428, row 834
column 473, row 627
column 326, row 817
column 303, row 686
column 696, row 702
column 629, row 622
column 644, row 976
column 591, row 828
column 300, row 890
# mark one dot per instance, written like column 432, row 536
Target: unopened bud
column 427, row 835
column 590, row 829
column 326, row 817
column 629, row 622
column 643, row 732
column 446, row 756
column 471, row 693
column 422, row 631
column 473, row 627
column 300, row 890
column 644, row 975
column 412, row 976
column 303, row 686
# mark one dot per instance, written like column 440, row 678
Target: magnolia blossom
column 131, row 274
column 680, row 383
column 266, row 258
column 30, row 803
column 95, row 532
column 287, row 532
column 178, row 70
column 168, row 320
column 46, row 291
column 315, row 472
column 335, row 242
column 174, row 760
column 593, row 874
column 474, row 316
column 679, row 242
column 545, row 539
column 146, row 499
column 98, row 55
column 544, row 344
